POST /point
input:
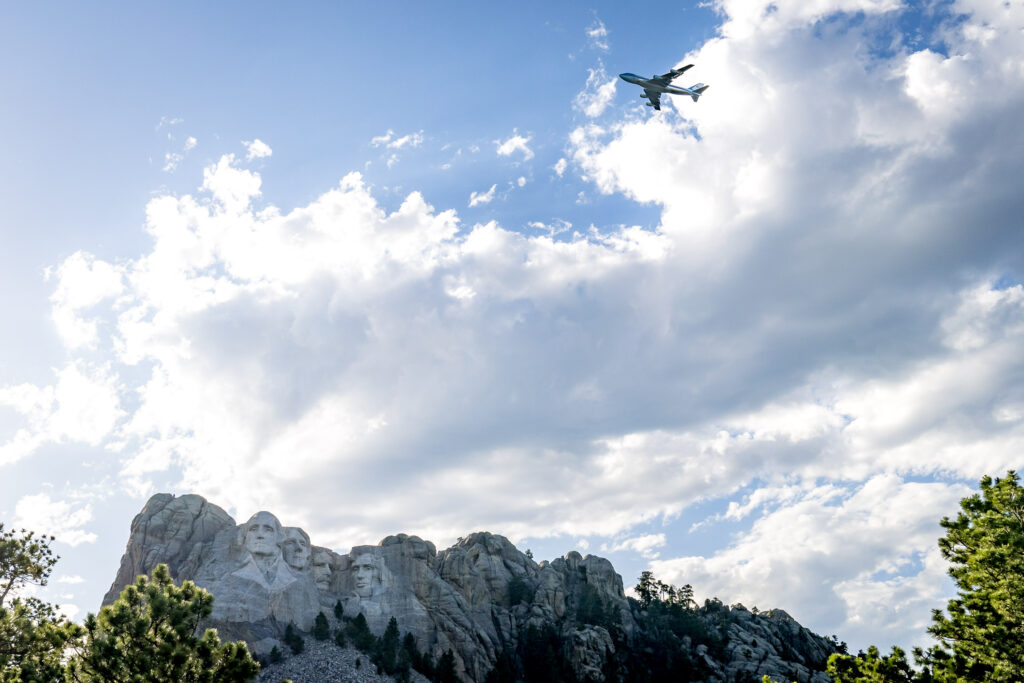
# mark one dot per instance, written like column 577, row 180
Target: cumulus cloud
column 646, row 545
column 256, row 149
column 55, row 517
column 868, row 551
column 515, row 143
column 94, row 281
column 82, row 406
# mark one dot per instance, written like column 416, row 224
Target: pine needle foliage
column 149, row 635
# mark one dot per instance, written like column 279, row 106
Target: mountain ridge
column 482, row 599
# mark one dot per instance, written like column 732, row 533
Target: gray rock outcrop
column 480, row 598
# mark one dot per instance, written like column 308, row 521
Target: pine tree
column 148, row 634
column 339, row 611
column 983, row 635
column 387, row 647
column 321, row 629
column 360, row 635
column 33, row 635
column 293, row 640
column 445, row 672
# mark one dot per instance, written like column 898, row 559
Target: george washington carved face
column 263, row 535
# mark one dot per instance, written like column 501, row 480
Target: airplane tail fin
column 697, row 90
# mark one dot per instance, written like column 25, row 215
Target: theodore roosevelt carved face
column 321, row 569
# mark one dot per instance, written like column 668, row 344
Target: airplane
column 656, row 85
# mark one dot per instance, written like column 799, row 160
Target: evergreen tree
column 321, row 629
column 275, row 655
column 339, row 611
column 647, row 588
column 387, row 647
column 148, row 634
column 982, row 638
column 358, row 631
column 33, row 635
column 870, row 667
column 339, row 637
column 445, row 672
column 293, row 640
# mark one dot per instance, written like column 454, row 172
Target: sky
column 432, row 268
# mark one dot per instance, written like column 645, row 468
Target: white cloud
column 254, row 149
column 478, row 198
column 515, row 143
column 173, row 159
column 521, row 181
column 560, row 166
column 557, row 226
column 597, row 35
column 859, row 562
column 389, row 140
column 70, row 579
column 54, row 517
column 596, row 95
column 646, row 545
column 94, row 281
column 83, row 406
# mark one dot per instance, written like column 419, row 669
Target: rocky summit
column 490, row 605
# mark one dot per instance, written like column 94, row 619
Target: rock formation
column 480, row 598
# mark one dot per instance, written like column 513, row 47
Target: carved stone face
column 364, row 573
column 321, row 569
column 263, row 534
column 296, row 548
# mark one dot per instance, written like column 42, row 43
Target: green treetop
column 981, row 635
column 149, row 635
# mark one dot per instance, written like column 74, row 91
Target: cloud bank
column 826, row 329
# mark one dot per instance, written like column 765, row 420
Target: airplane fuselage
column 650, row 84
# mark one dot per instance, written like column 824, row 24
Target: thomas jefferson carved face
column 364, row 573
column 263, row 534
column 296, row 548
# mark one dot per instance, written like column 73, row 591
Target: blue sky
column 434, row 269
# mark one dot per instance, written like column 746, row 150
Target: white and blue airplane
column 656, row 85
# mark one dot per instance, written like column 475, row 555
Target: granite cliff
column 482, row 599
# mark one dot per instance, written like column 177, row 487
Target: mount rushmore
column 477, row 598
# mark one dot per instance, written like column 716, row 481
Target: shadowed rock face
column 477, row 598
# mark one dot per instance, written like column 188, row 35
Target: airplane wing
column 655, row 97
column 674, row 73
